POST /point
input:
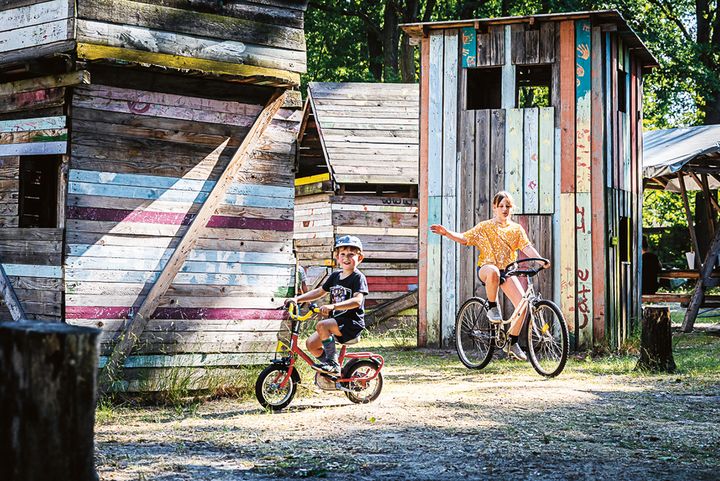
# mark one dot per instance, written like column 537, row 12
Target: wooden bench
column 710, row 301
column 684, row 274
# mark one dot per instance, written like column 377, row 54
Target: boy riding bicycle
column 498, row 239
column 348, row 288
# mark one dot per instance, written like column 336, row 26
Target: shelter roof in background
column 369, row 131
column 611, row 17
column 691, row 149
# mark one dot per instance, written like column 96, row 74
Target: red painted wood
column 567, row 106
column 173, row 218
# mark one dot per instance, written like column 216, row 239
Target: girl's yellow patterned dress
column 498, row 245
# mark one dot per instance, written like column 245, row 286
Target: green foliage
column 665, row 225
column 345, row 39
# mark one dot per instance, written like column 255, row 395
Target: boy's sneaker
column 494, row 314
column 517, row 352
column 327, row 367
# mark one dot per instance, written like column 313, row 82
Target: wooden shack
column 548, row 107
column 357, row 174
column 147, row 151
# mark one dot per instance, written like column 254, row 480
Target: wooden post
column 8, row 295
column 47, row 401
column 688, row 216
column 137, row 324
column 656, row 341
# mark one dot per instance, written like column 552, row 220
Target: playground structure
column 548, row 107
column 680, row 160
column 146, row 156
column 357, row 174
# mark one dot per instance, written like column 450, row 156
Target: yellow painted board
column 312, row 179
column 97, row 52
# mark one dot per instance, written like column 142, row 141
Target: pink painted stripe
column 93, row 312
column 171, row 218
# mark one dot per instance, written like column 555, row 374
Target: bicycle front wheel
column 474, row 335
column 548, row 336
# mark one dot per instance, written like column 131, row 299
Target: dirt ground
column 436, row 420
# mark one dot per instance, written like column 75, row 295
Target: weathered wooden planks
column 35, row 30
column 372, row 125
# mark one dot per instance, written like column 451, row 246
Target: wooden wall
column 387, row 227
column 33, row 29
column 261, row 41
column 572, row 168
column 142, row 162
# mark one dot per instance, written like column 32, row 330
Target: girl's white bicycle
column 476, row 337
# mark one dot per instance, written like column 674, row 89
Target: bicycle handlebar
column 294, row 311
column 512, row 269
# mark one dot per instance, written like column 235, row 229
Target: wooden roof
column 369, row 131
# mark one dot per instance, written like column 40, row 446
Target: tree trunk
column 656, row 341
column 374, row 55
column 47, row 401
column 391, row 40
column 407, row 51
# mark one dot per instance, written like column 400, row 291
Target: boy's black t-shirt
column 342, row 290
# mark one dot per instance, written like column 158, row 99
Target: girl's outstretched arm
column 454, row 236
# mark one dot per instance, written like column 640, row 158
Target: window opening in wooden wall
column 484, row 88
column 37, row 202
column 622, row 94
column 533, row 86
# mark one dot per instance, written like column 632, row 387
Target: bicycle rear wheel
column 474, row 335
column 548, row 336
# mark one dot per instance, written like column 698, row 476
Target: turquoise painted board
column 546, row 182
column 33, row 148
column 449, row 184
column 435, row 115
column 38, row 123
column 434, row 269
column 583, row 85
column 608, row 114
column 31, row 270
column 514, row 156
column 531, row 166
column 176, row 183
column 584, row 284
column 149, row 193
column 469, row 47
column 160, row 253
column 508, row 73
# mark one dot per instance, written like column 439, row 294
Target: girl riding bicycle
column 498, row 239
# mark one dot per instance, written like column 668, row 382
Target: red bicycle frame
column 295, row 351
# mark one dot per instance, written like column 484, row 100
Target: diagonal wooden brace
column 137, row 324
column 698, row 296
column 11, row 300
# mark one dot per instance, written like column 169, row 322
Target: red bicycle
column 360, row 378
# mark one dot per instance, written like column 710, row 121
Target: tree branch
column 346, row 12
column 668, row 10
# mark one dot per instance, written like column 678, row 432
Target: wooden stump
column 656, row 341
column 47, row 401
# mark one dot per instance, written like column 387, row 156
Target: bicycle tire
column 363, row 392
column 548, row 338
column 474, row 334
column 267, row 389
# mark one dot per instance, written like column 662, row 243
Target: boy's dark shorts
column 502, row 275
column 349, row 331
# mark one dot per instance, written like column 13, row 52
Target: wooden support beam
column 391, row 308
column 688, row 216
column 47, row 82
column 11, row 300
column 137, row 324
